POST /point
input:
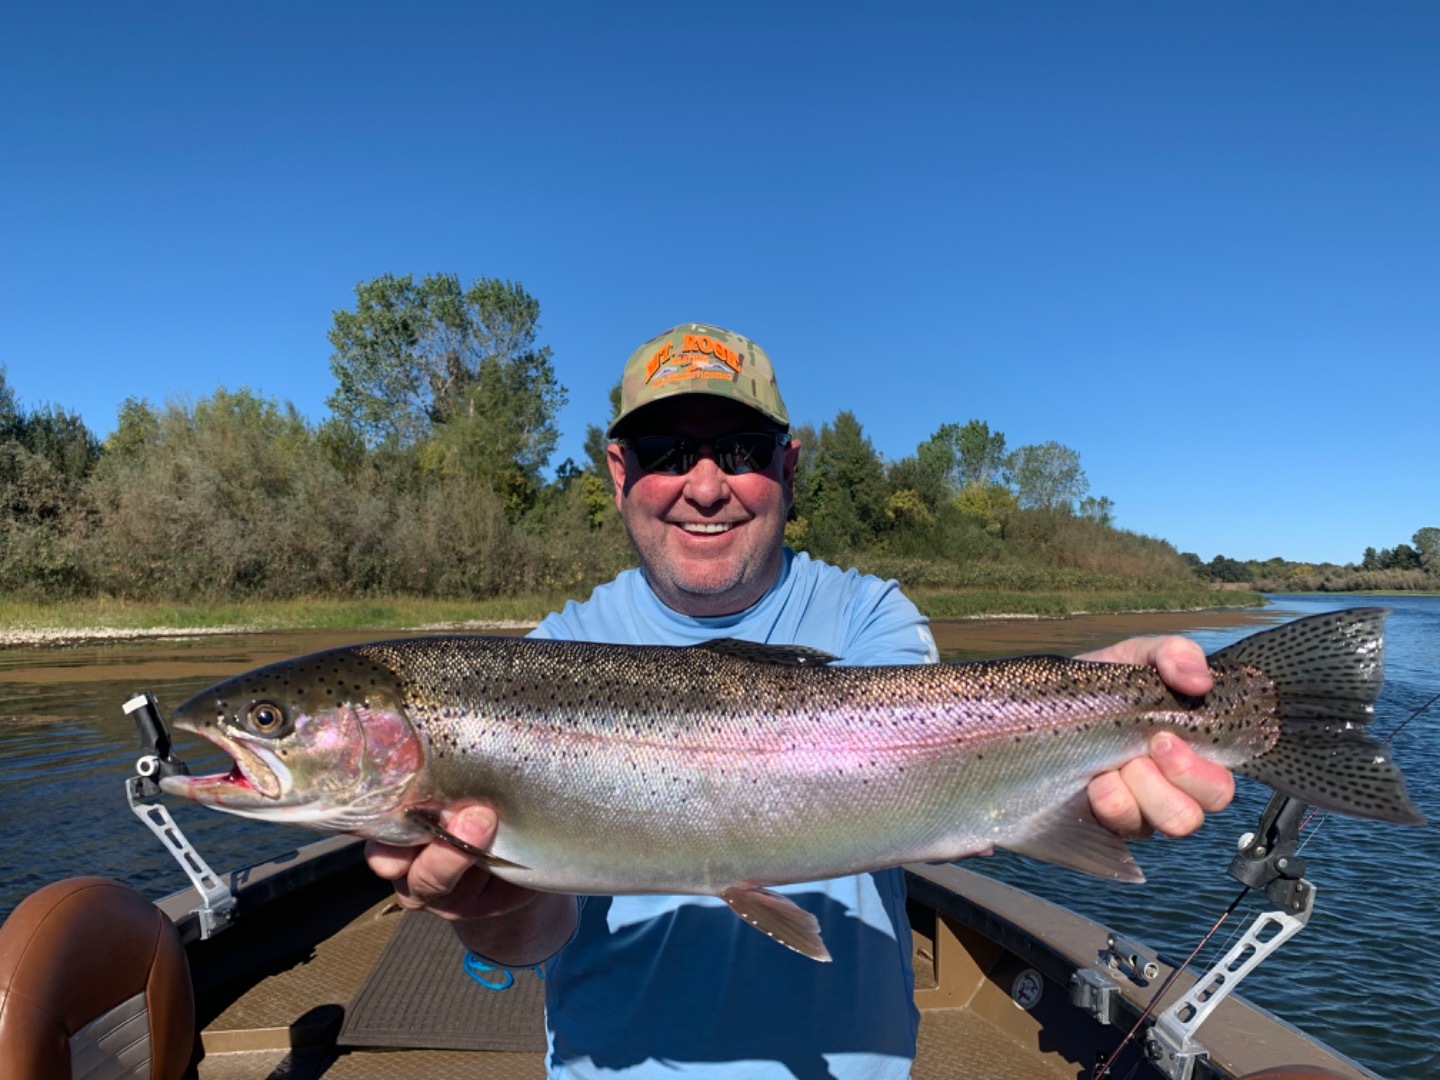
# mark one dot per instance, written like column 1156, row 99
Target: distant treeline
column 1403, row 567
column 428, row 478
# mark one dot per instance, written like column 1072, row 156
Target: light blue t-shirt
column 666, row 986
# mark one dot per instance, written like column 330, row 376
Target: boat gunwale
column 1052, row 939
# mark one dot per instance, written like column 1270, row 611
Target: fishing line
column 1407, row 720
column 1383, row 742
column 1104, row 1070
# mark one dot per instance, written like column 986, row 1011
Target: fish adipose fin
column 1327, row 671
column 780, row 918
column 788, row 655
column 1068, row 835
column 430, row 823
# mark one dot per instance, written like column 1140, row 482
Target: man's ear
column 615, row 459
column 787, row 471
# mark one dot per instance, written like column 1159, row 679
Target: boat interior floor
column 285, row 1025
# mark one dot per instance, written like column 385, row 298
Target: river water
column 1358, row 976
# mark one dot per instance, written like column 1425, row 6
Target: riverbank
column 105, row 620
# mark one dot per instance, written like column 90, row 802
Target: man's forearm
column 527, row 935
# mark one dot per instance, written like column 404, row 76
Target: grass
column 396, row 612
column 406, row 612
column 966, row 603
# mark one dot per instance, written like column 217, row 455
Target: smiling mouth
column 706, row 528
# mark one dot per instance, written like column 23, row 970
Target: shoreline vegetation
column 74, row 622
column 426, row 499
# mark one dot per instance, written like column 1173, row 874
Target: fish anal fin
column 778, row 917
column 760, row 653
column 430, row 822
column 1068, row 835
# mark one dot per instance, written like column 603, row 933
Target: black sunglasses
column 676, row 455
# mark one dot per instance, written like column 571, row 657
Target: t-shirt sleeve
column 887, row 628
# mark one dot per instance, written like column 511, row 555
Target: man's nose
column 706, row 483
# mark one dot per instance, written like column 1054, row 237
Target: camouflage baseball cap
column 696, row 358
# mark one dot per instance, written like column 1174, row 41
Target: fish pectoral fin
column 780, row 918
column 786, row 655
column 1069, row 835
column 427, row 820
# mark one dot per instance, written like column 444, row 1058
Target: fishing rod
column 1268, row 859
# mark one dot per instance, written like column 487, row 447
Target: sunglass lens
column 669, row 454
column 744, row 453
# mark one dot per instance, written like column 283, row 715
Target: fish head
column 323, row 741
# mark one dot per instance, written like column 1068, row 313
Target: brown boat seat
column 93, row 983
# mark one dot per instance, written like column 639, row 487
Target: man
column 643, row 986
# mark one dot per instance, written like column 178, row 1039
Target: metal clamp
column 1131, row 959
column 1094, row 991
column 1171, row 1040
column 217, row 909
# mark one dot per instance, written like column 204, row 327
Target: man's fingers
column 1211, row 786
column 1170, row 791
column 1115, row 807
column 1183, row 666
column 440, row 865
column 388, row 861
column 1163, row 806
column 1180, row 662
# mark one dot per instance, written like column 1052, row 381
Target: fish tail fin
column 1327, row 671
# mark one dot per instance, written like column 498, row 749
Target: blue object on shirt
column 660, row 986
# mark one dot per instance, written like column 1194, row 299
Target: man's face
column 710, row 543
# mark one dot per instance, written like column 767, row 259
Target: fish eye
column 266, row 718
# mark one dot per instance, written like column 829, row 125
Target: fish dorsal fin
column 780, row 918
column 788, row 655
column 1068, row 835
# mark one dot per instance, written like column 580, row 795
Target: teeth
column 698, row 527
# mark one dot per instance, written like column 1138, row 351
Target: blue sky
column 1198, row 243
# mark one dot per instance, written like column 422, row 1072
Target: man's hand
column 501, row 921
column 1173, row 788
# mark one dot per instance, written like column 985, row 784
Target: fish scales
column 720, row 768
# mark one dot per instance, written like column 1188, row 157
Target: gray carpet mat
column 419, row 997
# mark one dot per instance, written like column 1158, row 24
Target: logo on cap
column 699, row 357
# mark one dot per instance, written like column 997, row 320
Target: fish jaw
column 351, row 768
column 257, row 780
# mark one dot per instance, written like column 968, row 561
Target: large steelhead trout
column 723, row 768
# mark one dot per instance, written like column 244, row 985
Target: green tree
column 9, row 407
column 926, row 483
column 413, row 355
column 596, row 442
column 1101, row 510
column 452, row 373
column 844, row 487
column 981, row 453
column 1047, row 476
column 1427, row 543
column 1222, row 568
column 61, row 438
column 137, row 426
column 972, row 454
column 46, row 455
column 1400, row 557
column 988, row 504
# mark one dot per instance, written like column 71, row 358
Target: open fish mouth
column 256, row 777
